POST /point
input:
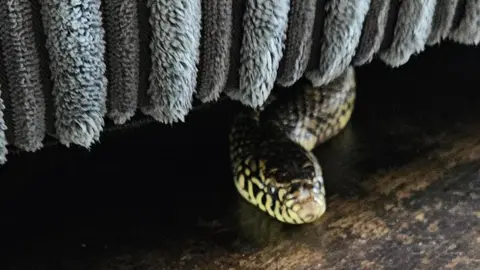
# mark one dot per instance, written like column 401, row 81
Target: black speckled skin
column 304, row 112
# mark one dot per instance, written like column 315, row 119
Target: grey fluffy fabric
column 5, row 104
column 123, row 52
column 21, row 61
column 160, row 54
column 299, row 42
column 3, row 137
column 238, row 8
column 76, row 46
column 265, row 24
column 215, row 48
column 342, row 31
column 373, row 32
column 414, row 23
column 468, row 31
column 175, row 54
column 442, row 21
column 145, row 33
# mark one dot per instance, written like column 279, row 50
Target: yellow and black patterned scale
column 270, row 149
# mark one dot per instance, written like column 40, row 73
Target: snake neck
column 311, row 115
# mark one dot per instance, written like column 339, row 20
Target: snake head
column 298, row 187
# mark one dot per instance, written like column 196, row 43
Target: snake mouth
column 306, row 202
column 309, row 205
column 312, row 208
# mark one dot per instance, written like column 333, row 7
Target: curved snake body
column 270, row 149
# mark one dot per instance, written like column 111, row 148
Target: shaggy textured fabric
column 6, row 105
column 373, row 32
column 3, row 138
column 215, row 48
column 175, row 54
column 414, row 24
column 21, row 62
column 299, row 42
column 317, row 35
column 123, row 52
column 145, row 33
column 161, row 55
column 468, row 31
column 442, row 20
column 265, row 25
column 238, row 9
column 45, row 73
column 342, row 31
column 76, row 46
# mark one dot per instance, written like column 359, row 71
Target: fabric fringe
column 372, row 33
column 76, row 46
column 468, row 31
column 299, row 42
column 123, row 52
column 442, row 21
column 233, row 81
column 5, row 104
column 265, row 25
column 145, row 33
column 342, row 31
column 215, row 49
column 412, row 30
column 3, row 137
column 22, row 67
column 175, row 54
column 161, row 55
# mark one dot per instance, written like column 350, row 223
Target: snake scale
column 270, row 147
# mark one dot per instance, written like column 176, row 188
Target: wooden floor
column 403, row 184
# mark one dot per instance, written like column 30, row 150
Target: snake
column 270, row 147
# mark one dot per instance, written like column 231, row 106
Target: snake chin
column 307, row 201
column 312, row 208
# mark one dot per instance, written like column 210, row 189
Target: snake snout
column 312, row 210
column 311, row 202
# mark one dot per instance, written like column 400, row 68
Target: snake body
column 270, row 148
